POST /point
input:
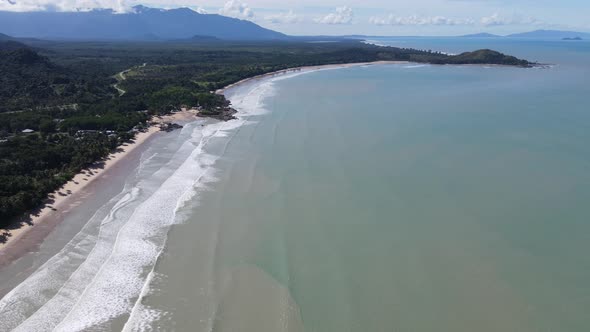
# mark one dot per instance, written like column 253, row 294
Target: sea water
column 379, row 198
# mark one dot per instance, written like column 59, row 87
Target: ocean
column 374, row 198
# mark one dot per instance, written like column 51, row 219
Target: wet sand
column 306, row 69
column 291, row 231
column 21, row 237
column 74, row 201
column 25, row 234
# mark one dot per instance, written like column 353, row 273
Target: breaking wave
column 103, row 273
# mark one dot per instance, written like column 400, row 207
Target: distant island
column 549, row 34
column 537, row 34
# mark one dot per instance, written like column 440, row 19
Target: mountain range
column 537, row 34
column 143, row 23
column 551, row 34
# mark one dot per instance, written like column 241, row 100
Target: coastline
column 62, row 199
column 306, row 69
column 226, row 250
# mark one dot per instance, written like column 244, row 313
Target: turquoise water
column 378, row 198
column 397, row 198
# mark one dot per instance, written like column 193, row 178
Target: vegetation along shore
column 63, row 107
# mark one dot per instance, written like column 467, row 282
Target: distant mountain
column 574, row 38
column 142, row 24
column 550, row 34
column 31, row 80
column 27, row 77
column 481, row 35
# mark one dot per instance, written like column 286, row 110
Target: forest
column 54, row 90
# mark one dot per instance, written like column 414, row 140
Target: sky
column 368, row 17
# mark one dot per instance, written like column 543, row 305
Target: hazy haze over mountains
column 551, row 34
column 144, row 23
column 538, row 34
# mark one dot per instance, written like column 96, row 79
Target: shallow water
column 407, row 198
column 399, row 197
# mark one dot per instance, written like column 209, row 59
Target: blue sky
column 381, row 17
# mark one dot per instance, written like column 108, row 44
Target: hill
column 479, row 57
column 30, row 80
column 8, row 43
column 4, row 37
column 143, row 23
column 26, row 77
column 550, row 34
column 487, row 57
column 11, row 45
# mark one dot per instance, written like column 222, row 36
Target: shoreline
column 305, row 69
column 64, row 197
column 61, row 200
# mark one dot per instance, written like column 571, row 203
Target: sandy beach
column 347, row 196
column 308, row 69
column 61, row 200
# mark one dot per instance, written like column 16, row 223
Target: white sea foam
column 248, row 103
column 138, row 244
column 39, row 288
column 415, row 66
column 142, row 314
column 43, row 299
column 145, row 160
column 105, row 271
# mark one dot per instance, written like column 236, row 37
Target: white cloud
column 282, row 18
column 119, row 6
column 496, row 20
column 342, row 15
column 63, row 5
column 492, row 20
column 237, row 9
column 418, row 20
column 200, row 10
